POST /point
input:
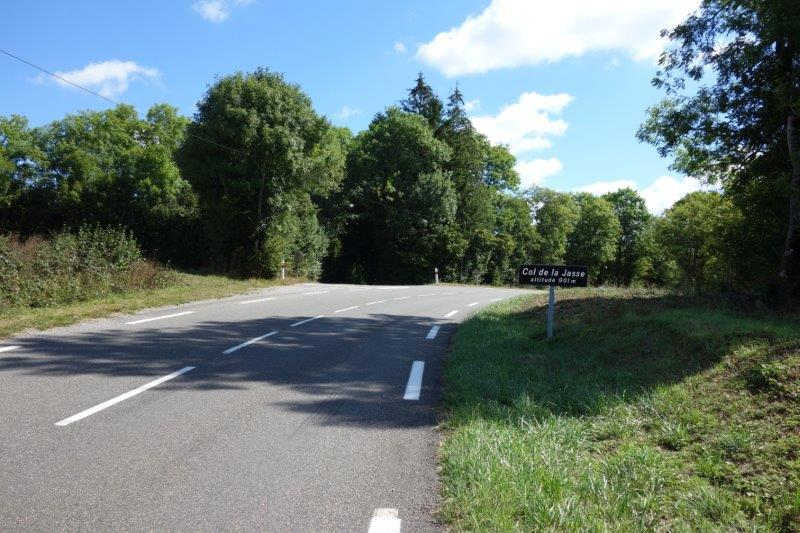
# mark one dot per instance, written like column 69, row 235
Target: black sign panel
column 558, row 275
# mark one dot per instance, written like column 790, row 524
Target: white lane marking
column 122, row 397
column 304, row 321
column 347, row 309
column 402, row 298
column 8, row 348
column 385, row 521
column 495, row 299
column 248, row 343
column 398, row 288
column 142, row 321
column 376, row 302
column 473, row 304
column 427, row 294
column 256, row 301
column 451, row 313
column 432, row 333
column 414, row 385
column 315, row 292
column 359, row 289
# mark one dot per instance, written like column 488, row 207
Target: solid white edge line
column 122, row 397
column 473, row 304
column 414, row 385
column 385, row 520
column 257, row 300
column 432, row 333
column 315, row 292
column 346, row 309
column 304, row 321
column 451, row 313
column 142, row 321
column 402, row 298
column 376, row 302
column 251, row 341
column 495, row 299
column 8, row 348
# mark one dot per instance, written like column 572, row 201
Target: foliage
column 633, row 217
column 254, row 142
column 70, row 267
column 740, row 127
column 593, row 240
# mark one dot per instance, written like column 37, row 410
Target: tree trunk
column 789, row 271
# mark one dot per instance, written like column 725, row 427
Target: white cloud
column 602, row 187
column 217, row 10
column 659, row 195
column 513, row 33
column 347, row 112
column 667, row 190
column 526, row 124
column 533, row 171
column 472, row 105
column 399, row 47
column 109, row 78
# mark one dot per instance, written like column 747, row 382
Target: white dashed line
column 8, row 348
column 142, row 321
column 473, row 304
column 304, row 321
column 251, row 341
column 256, row 301
column 347, row 309
column 385, row 521
column 414, row 385
column 428, row 294
column 122, row 397
column 376, row 302
column 315, row 292
column 451, row 313
column 432, row 333
column 402, row 298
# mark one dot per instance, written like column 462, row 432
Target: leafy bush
column 73, row 266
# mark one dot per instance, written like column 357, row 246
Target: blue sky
column 564, row 84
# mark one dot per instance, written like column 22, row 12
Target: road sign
column 554, row 275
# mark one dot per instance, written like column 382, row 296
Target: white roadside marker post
column 283, row 269
column 436, row 275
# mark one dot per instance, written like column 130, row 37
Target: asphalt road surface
column 302, row 408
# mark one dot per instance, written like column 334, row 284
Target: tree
column 693, row 232
column 740, row 127
column 555, row 215
column 21, row 158
column 423, row 101
column 254, row 141
column 631, row 211
column 401, row 202
column 593, row 240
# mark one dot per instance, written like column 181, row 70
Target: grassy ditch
column 646, row 412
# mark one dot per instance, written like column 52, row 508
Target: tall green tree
column 401, row 202
column 631, row 211
column 593, row 240
column 422, row 100
column 254, row 145
column 555, row 215
column 740, row 126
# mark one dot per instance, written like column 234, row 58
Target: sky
column 564, row 84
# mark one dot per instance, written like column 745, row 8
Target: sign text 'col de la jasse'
column 554, row 275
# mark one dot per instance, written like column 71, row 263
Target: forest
column 257, row 179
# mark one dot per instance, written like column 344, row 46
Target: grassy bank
column 647, row 412
column 179, row 288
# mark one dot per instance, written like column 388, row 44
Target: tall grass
column 73, row 266
column 647, row 412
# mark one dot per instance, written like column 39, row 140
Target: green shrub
column 72, row 266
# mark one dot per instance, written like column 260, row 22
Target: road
column 301, row 408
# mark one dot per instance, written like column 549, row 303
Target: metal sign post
column 553, row 276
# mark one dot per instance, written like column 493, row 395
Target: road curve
column 300, row 408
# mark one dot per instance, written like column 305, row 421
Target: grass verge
column 646, row 412
column 182, row 288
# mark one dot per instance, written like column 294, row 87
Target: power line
column 107, row 99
